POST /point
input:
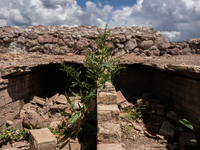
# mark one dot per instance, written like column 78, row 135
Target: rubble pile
column 43, row 113
column 157, row 127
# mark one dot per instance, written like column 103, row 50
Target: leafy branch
column 100, row 68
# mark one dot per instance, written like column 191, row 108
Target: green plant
column 64, row 113
column 11, row 134
column 125, row 129
column 135, row 113
column 100, row 69
column 6, row 134
column 194, row 128
column 21, row 133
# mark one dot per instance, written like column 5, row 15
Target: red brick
column 120, row 97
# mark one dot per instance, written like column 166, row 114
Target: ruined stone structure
column 55, row 40
column 30, row 59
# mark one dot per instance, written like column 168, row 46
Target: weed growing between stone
column 100, row 68
column 13, row 134
column 194, row 128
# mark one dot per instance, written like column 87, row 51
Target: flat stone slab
column 109, row 133
column 108, row 113
column 107, row 108
column 42, row 139
column 114, row 146
column 107, row 98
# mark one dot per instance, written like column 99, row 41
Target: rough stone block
column 4, row 98
column 107, row 98
column 168, row 130
column 107, row 113
column 114, row 146
column 42, row 139
column 120, row 97
column 109, row 133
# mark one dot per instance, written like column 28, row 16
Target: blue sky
column 116, row 3
column 178, row 20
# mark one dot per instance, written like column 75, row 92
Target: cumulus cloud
column 177, row 20
column 99, row 4
column 23, row 13
column 172, row 35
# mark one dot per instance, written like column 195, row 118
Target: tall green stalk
column 100, row 68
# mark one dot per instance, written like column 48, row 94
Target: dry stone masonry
column 109, row 131
column 145, row 41
column 29, row 61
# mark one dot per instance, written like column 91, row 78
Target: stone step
column 113, row 146
column 109, row 133
column 107, row 98
column 108, row 113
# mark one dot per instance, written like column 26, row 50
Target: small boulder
column 58, row 107
column 77, row 105
column 93, row 45
column 119, row 45
column 186, row 51
column 82, row 44
column 145, row 44
column 119, row 52
column 32, row 35
column 61, row 99
column 173, row 115
column 16, row 123
column 32, row 119
column 155, row 52
column 31, row 43
column 60, row 42
column 162, row 43
column 168, row 130
column 21, row 39
column 120, row 98
column 131, row 44
column 120, row 38
column 174, row 51
column 46, row 38
column 110, row 45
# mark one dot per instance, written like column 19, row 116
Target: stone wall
column 16, row 91
column 181, row 93
column 108, row 127
column 143, row 41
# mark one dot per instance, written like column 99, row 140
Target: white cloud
column 3, row 22
column 178, row 20
column 171, row 35
column 99, row 4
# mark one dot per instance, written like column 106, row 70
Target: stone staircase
column 109, row 131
